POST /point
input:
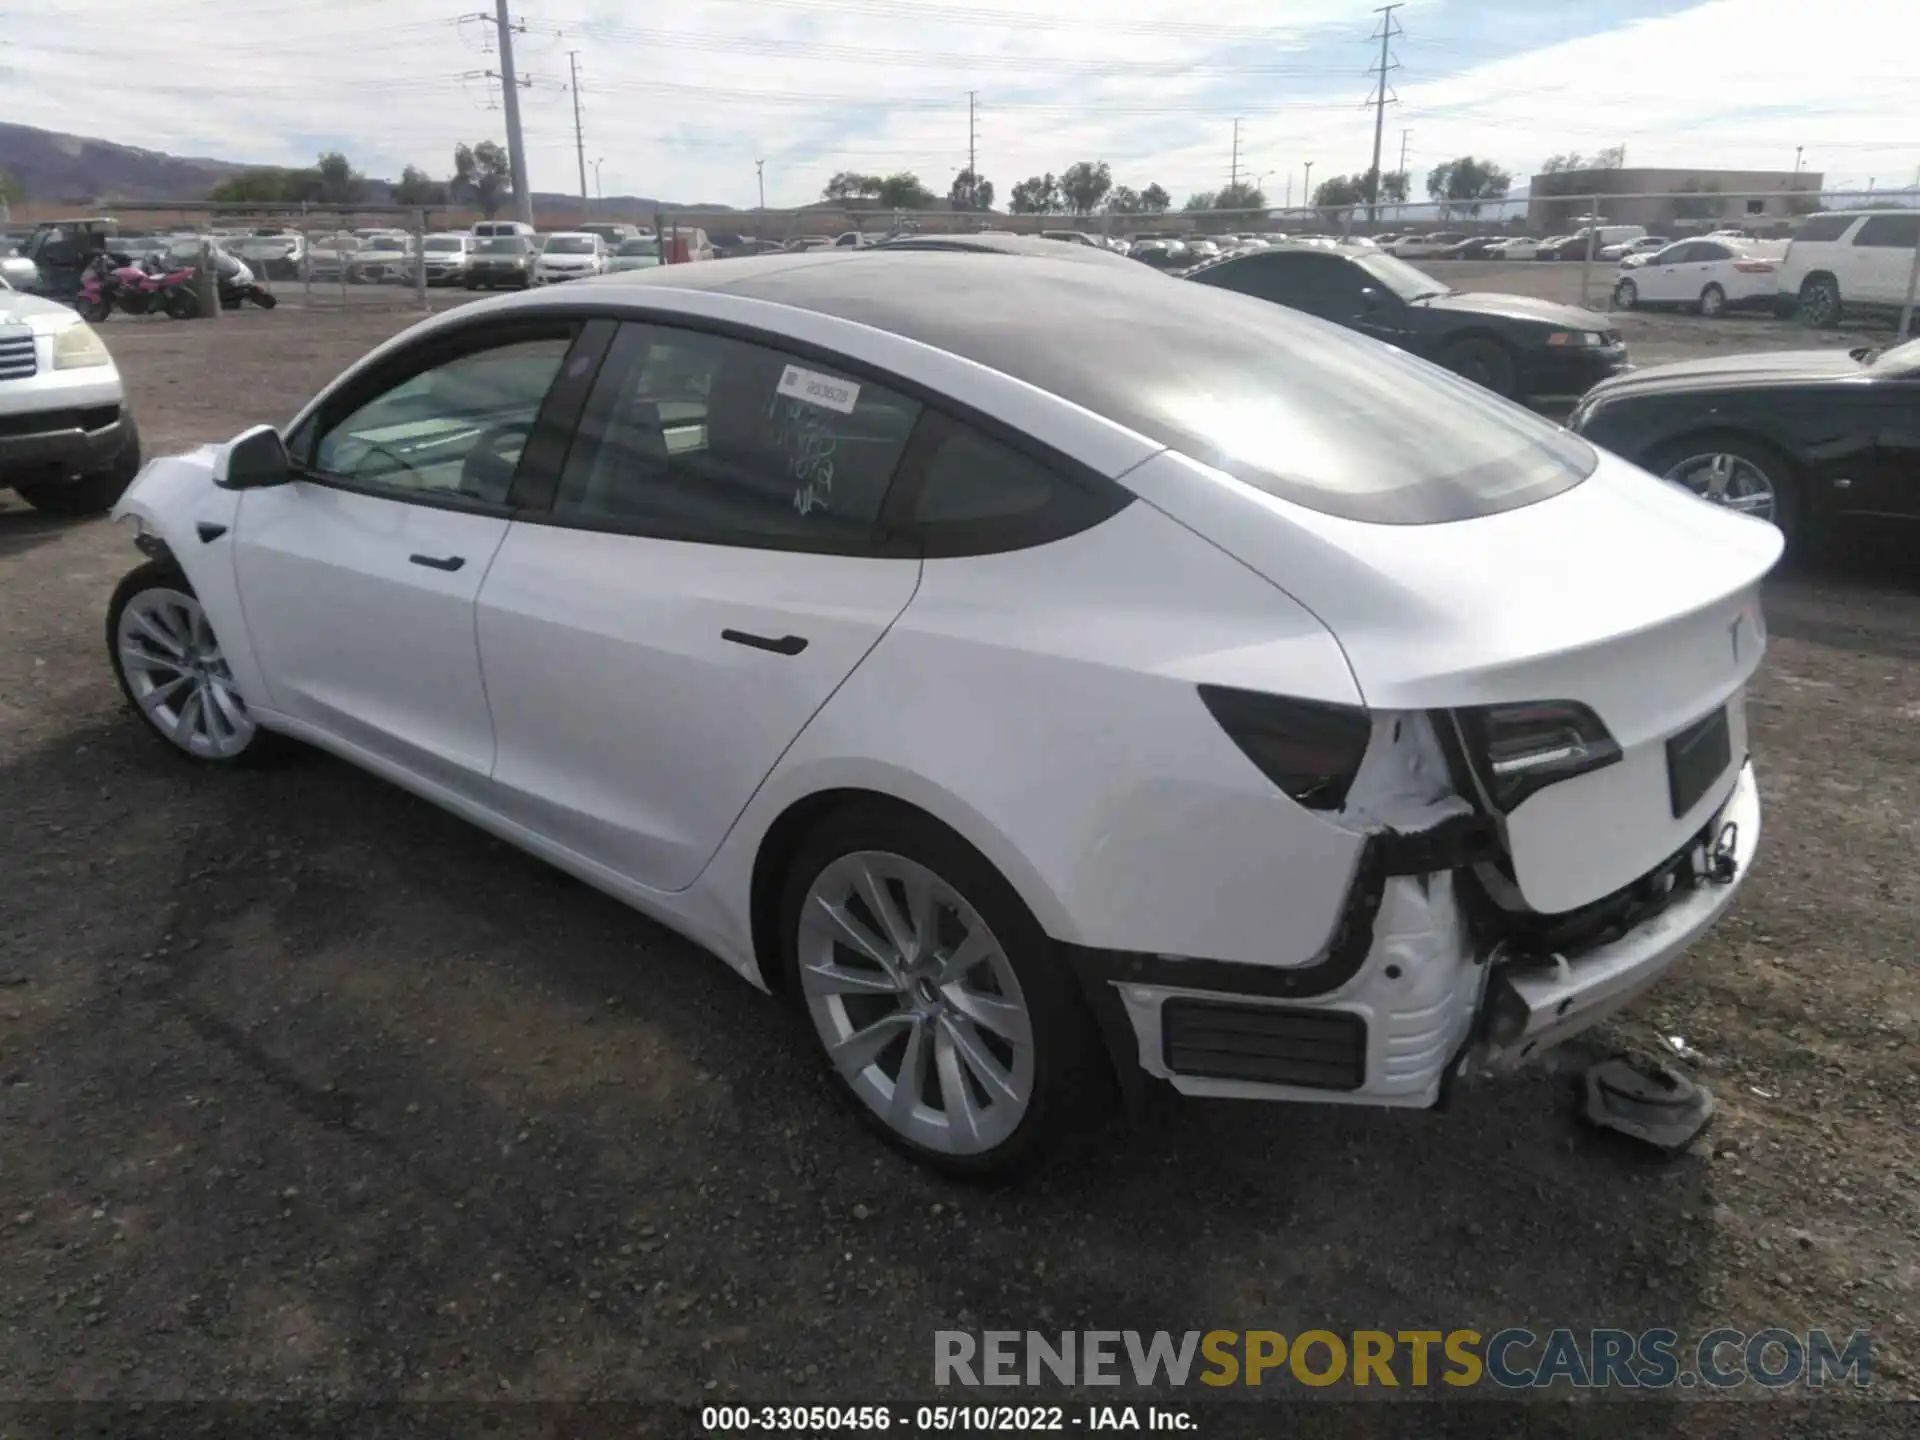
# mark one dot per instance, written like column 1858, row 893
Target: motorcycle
column 111, row 282
column 237, row 285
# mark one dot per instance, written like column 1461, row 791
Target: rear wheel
column 173, row 672
column 1820, row 301
column 1485, row 362
column 1713, row 301
column 1738, row 472
column 933, row 993
column 1626, row 295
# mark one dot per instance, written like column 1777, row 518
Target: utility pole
column 1306, row 186
column 1405, row 135
column 1388, row 29
column 510, row 97
column 597, row 194
column 760, row 175
column 1797, row 151
column 972, row 168
column 1233, row 182
column 579, row 137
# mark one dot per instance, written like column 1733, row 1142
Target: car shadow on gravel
column 339, row 1095
column 22, row 528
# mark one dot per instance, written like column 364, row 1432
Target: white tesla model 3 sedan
column 1027, row 667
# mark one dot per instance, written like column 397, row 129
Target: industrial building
column 1665, row 200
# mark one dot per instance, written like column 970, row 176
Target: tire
column 1713, row 302
column 265, row 299
column 1019, row 1097
column 1487, row 363
column 472, row 284
column 159, row 587
column 1626, row 295
column 93, row 311
column 92, row 494
column 183, row 304
column 1788, row 513
column 1820, row 302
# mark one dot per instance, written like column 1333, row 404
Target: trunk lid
column 1624, row 594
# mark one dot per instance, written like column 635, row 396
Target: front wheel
column 1737, row 472
column 95, row 310
column 1626, row 295
column 171, row 669
column 933, row 994
column 183, row 303
column 1487, row 363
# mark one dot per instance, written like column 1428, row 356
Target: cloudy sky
column 681, row 97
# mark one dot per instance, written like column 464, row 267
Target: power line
column 1388, row 29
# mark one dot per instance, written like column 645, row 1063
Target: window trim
column 440, row 348
column 892, row 535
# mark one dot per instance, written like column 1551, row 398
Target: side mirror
column 1371, row 298
column 252, row 460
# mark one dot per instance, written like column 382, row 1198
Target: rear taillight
column 1754, row 267
column 1311, row 750
column 1521, row 749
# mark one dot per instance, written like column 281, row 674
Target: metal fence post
column 1586, row 262
column 306, row 259
column 1913, row 285
column 208, row 281
column 420, row 257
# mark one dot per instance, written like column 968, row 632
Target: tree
column 1242, row 196
column 1466, row 184
column 1036, row 195
column 482, row 176
column 1154, row 200
column 12, row 192
column 902, row 190
column 1554, row 164
column 416, row 187
column 1199, row 200
column 1083, row 185
column 267, row 185
column 971, row 192
column 1614, row 157
column 1340, row 192
column 1705, row 202
column 851, row 185
column 340, row 183
column 1122, row 200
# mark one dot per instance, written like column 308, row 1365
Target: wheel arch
column 799, row 814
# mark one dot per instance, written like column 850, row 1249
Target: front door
column 707, row 574
column 358, row 579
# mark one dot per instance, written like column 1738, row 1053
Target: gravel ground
column 309, row 1091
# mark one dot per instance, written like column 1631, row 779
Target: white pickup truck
column 68, row 443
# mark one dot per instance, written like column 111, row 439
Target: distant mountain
column 77, row 169
column 57, row 169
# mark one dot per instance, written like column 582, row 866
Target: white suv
column 68, row 444
column 1858, row 259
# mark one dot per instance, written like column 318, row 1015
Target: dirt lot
column 308, row 1090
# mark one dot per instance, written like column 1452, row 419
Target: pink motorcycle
column 136, row 289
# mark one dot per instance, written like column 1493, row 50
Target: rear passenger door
column 709, row 568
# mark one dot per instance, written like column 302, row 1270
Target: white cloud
column 1150, row 85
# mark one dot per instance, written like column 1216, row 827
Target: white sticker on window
column 818, row 389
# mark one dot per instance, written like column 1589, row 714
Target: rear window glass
column 1320, row 416
column 1897, row 231
column 1825, row 227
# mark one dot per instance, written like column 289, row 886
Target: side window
column 967, row 493
column 1682, row 254
column 1706, row 251
column 453, row 431
column 1898, row 232
column 699, row 437
column 1824, row 227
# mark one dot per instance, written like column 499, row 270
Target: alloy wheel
column 917, row 1005
column 1731, row 481
column 178, row 677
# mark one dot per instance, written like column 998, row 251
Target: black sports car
column 1803, row 438
column 1532, row 350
